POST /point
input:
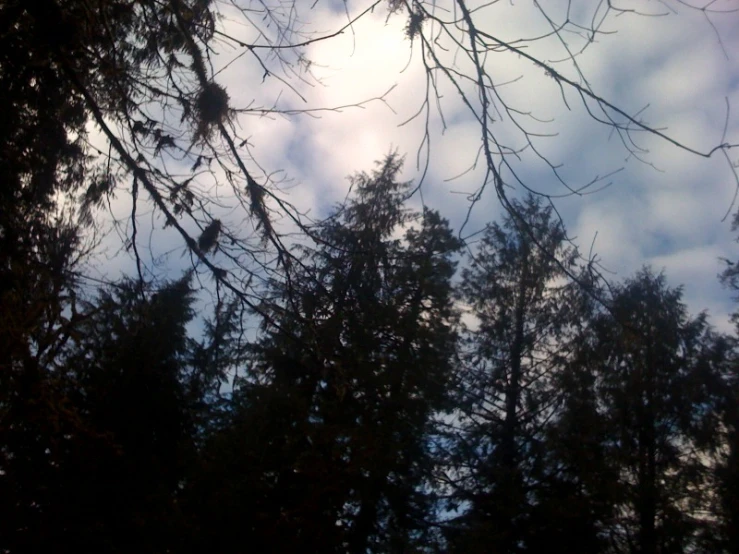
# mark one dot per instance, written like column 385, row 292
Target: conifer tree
column 654, row 369
column 329, row 438
column 127, row 380
column 727, row 469
column 516, row 289
column 134, row 398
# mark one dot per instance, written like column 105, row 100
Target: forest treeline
column 388, row 403
column 403, row 392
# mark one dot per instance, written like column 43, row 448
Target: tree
column 724, row 536
column 134, row 396
column 144, row 74
column 727, row 469
column 41, row 246
column 329, row 437
column 577, row 495
column 517, row 290
column 131, row 368
column 654, row 369
column 115, row 482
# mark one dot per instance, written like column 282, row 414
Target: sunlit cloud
column 667, row 212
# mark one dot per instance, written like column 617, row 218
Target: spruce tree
column 655, row 367
column 517, row 289
column 727, row 469
column 329, row 438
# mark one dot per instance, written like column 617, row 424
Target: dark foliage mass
column 365, row 417
column 386, row 403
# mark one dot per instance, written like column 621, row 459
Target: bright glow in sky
column 667, row 212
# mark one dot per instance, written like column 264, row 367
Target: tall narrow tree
column 728, row 465
column 130, row 367
column 576, row 497
column 516, row 289
column 654, row 367
column 136, row 387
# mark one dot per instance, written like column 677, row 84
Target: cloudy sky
column 675, row 68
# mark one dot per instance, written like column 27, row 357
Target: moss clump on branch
column 212, row 109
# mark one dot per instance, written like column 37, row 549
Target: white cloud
column 672, row 63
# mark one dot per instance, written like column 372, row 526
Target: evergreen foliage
column 332, row 413
column 517, row 290
column 363, row 416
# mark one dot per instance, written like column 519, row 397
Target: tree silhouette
column 653, row 367
column 518, row 292
column 351, row 424
column 98, row 459
column 577, row 494
column 727, row 469
column 331, row 417
column 41, row 161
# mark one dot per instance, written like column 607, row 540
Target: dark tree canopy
column 516, row 288
column 340, row 390
column 652, row 371
column 308, row 386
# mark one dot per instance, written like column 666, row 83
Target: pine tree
column 329, row 439
column 517, row 290
column 727, row 469
column 130, row 383
column 654, row 368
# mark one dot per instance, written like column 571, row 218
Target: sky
column 677, row 68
